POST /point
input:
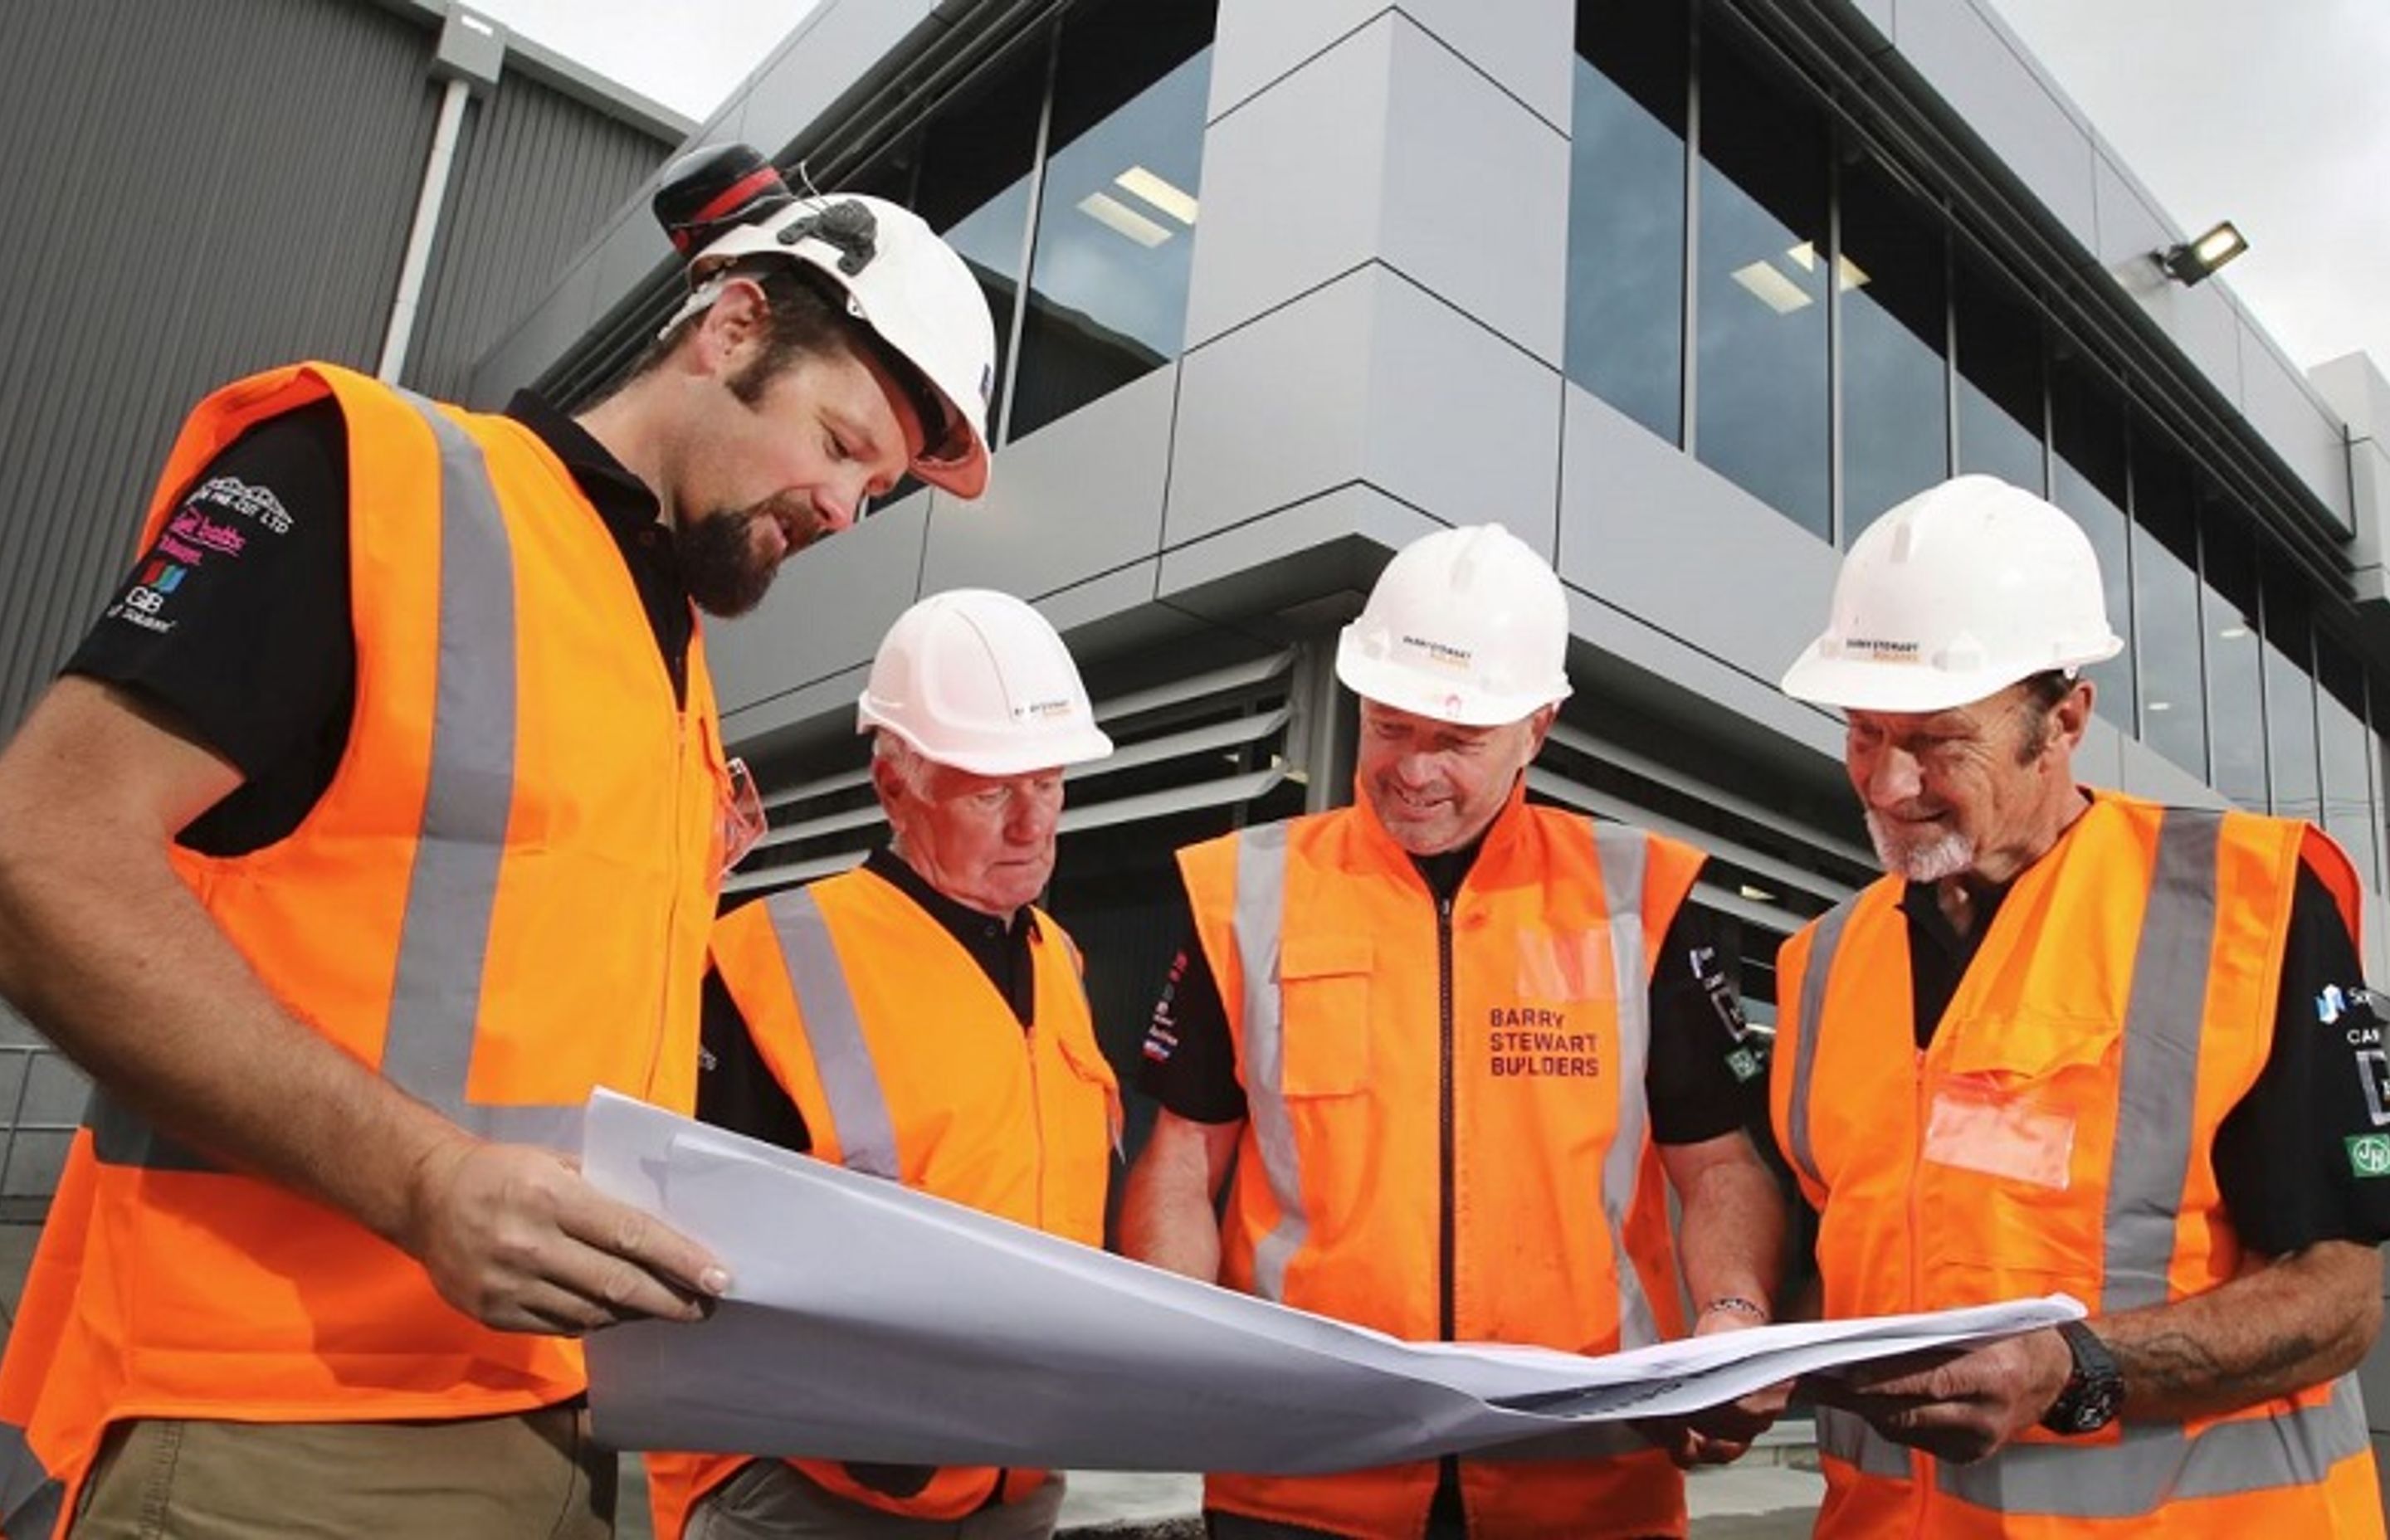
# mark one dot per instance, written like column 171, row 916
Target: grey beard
column 1930, row 861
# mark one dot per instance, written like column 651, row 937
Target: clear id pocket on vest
column 1978, row 1123
column 739, row 809
column 1570, row 965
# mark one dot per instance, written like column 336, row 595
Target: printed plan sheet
column 866, row 1322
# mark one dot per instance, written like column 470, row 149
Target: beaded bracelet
column 1735, row 1304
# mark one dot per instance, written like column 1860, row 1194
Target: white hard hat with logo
column 910, row 288
column 1952, row 597
column 1468, row 626
column 980, row 681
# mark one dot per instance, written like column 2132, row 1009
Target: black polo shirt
column 736, row 1089
column 238, row 624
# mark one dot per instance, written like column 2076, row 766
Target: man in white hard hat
column 2074, row 1041
column 379, row 820
column 920, row 1020
column 1459, row 1046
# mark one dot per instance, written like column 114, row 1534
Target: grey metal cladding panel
column 1524, row 45
column 1224, row 573
column 1651, row 531
column 1260, row 42
column 1078, row 497
column 1461, row 423
column 264, row 153
column 1293, row 186
column 1984, row 77
column 1274, row 412
column 826, row 610
column 2294, row 422
column 1451, row 129
column 2143, row 772
column 2201, row 320
column 538, row 173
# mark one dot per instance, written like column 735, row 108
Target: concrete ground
column 1771, row 1495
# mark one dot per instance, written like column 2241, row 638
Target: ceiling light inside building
column 1848, row 275
column 1757, row 895
column 2161, row 705
column 1104, row 208
column 1158, row 191
column 2233, row 633
column 1771, row 288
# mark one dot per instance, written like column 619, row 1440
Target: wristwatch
column 2094, row 1393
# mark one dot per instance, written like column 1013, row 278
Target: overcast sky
column 2272, row 113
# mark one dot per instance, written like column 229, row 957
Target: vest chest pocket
column 2020, row 1120
column 1323, row 996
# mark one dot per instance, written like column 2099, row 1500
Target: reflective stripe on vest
column 453, row 889
column 30, row 1495
column 1823, row 941
column 1258, row 919
column 858, row 1103
column 2151, row 1463
column 1624, row 854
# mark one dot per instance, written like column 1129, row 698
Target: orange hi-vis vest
column 500, row 902
column 2057, row 1135
column 1446, row 1134
column 906, row 1063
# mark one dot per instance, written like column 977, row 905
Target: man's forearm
column 1166, row 1218
column 2297, row 1321
column 110, row 956
column 1730, row 1231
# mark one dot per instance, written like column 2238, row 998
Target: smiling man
column 920, row 1020
column 1459, row 1046
column 2072, row 1042
column 377, row 822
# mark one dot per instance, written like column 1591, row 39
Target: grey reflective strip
column 1260, row 911
column 121, row 1137
column 1824, row 941
column 30, row 1495
column 1846, row 1437
column 2159, row 1076
column 858, row 1103
column 2154, row 1465
column 1624, row 855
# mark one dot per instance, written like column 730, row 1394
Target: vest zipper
column 1448, row 1471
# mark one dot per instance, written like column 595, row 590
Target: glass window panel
column 2347, row 748
column 1117, row 218
column 2236, row 714
column 2290, row 694
column 1895, row 401
column 2166, row 603
column 1626, row 210
column 2000, row 380
column 2087, row 423
column 972, row 164
column 1760, row 384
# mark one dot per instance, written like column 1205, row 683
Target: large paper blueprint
column 866, row 1322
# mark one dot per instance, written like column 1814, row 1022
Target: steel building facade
column 206, row 188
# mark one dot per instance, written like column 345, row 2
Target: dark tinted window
column 1759, row 384
column 1895, row 404
column 1999, row 378
column 2088, row 424
column 1626, row 210
column 2166, row 603
column 2235, row 656
column 2290, row 693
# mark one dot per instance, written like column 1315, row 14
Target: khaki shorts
column 774, row 1500
column 494, row 1478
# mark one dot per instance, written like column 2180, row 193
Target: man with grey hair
column 2072, row 1042
column 920, row 1020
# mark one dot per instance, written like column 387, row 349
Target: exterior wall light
column 2195, row 259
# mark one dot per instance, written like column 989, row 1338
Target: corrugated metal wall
column 195, row 189
column 537, row 174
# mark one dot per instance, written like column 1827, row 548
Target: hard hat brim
column 1083, row 746
column 1862, row 685
column 1461, row 704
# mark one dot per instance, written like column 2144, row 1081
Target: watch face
column 2091, row 1407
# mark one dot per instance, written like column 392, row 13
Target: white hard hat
column 1467, row 626
column 900, row 279
column 979, row 680
column 1952, row 597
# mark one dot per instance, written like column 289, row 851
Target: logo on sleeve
column 2369, row 1154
